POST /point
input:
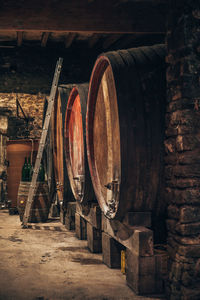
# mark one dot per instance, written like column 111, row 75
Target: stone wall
column 32, row 106
column 3, row 166
column 182, row 146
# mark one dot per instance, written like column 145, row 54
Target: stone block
column 173, row 212
column 188, row 229
column 189, row 214
column 187, row 196
column 189, row 251
column 187, row 142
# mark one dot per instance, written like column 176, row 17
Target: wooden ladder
column 42, row 143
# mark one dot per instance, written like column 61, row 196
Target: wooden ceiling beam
column 19, row 38
column 99, row 16
column 93, row 40
column 110, row 40
column 44, row 38
column 69, row 39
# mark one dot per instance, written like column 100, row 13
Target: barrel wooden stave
column 131, row 136
column 75, row 145
column 41, row 202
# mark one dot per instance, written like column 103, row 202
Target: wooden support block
column 138, row 219
column 136, row 238
column 161, row 270
column 91, row 213
column 13, row 211
column 54, row 212
column 142, row 242
column 94, row 239
column 62, row 216
column 70, row 216
column 80, row 227
column 140, row 273
column 111, row 251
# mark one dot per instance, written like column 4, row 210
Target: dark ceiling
column 110, row 24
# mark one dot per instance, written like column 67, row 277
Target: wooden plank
column 81, row 15
column 69, row 39
column 19, row 38
column 44, row 38
column 93, row 40
column 110, row 40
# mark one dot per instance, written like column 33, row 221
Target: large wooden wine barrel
column 17, row 150
column 75, row 144
column 41, row 202
column 125, row 130
column 64, row 192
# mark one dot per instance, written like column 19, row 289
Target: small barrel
column 41, row 202
column 125, row 130
column 75, row 145
column 64, row 192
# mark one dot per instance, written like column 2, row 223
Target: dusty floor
column 51, row 263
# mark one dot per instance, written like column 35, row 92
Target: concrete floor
column 51, row 263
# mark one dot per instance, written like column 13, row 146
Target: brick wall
column 182, row 146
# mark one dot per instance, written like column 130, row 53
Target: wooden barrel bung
column 125, row 130
column 41, row 203
column 75, row 145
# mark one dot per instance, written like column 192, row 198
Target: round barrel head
column 103, row 140
column 74, row 144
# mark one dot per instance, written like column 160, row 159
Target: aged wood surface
column 83, row 15
column 125, row 130
column 75, row 144
column 62, row 182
